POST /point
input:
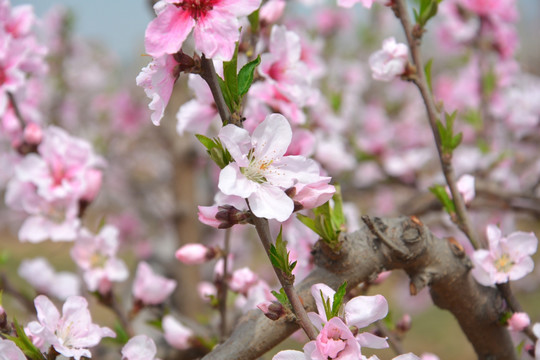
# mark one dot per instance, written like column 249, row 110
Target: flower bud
column 518, row 321
column 404, row 324
column 93, row 179
column 272, row 310
column 32, row 134
column 193, row 254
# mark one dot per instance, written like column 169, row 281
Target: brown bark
column 429, row 261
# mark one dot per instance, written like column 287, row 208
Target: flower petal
column 233, row 182
column 271, row 138
column 166, row 33
column 238, row 143
column 216, row 34
column 364, row 310
column 271, row 203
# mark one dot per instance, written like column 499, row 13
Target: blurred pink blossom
column 96, row 256
column 196, row 115
column 149, row 287
column 139, row 347
column 10, row 351
column 176, row 334
column 390, row 62
column 194, row 254
column 58, row 284
column 519, row 321
column 242, row 280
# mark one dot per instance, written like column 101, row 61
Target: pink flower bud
column 93, row 179
column 192, row 254
column 404, row 324
column 33, row 134
column 271, row 310
column 206, row 290
column 242, row 280
column 519, row 321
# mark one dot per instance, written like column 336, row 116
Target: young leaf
column 440, row 192
column 226, row 94
column 245, row 76
column 281, row 297
column 254, row 21
column 338, row 299
column 427, row 72
column 24, row 343
column 230, row 77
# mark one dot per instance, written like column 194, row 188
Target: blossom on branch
column 508, row 258
column 151, row 288
column 389, row 62
column 139, row 347
column 70, row 334
column 215, row 24
column 261, row 173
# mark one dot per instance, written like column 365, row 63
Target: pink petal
column 238, row 143
column 364, row 310
column 372, row 341
column 290, row 355
column 216, row 34
column 47, row 313
column 233, row 182
column 327, row 293
column 272, row 137
column 195, row 117
column 521, row 244
column 271, row 203
column 239, row 7
column 166, row 33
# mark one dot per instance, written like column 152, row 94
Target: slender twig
column 263, row 231
column 8, row 288
column 209, row 75
column 223, row 288
column 515, row 306
column 16, row 109
column 393, row 341
column 420, row 81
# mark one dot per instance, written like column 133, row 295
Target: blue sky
column 120, row 24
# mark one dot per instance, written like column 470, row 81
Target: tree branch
column 420, row 81
column 429, row 261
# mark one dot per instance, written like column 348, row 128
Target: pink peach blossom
column 193, row 254
column 215, row 24
column 176, row 334
column 157, row 79
column 389, row 62
column 149, row 287
column 139, row 347
column 73, row 332
column 508, row 258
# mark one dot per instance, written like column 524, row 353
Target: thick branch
column 429, row 261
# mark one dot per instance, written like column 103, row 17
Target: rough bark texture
column 396, row 243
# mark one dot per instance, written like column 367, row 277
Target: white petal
column 271, row 138
column 233, row 182
column 364, row 310
column 366, row 339
column 271, row 203
column 237, row 141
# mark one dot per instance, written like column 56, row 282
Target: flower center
column 255, row 171
column 504, row 263
column 197, row 8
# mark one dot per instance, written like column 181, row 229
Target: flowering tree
column 345, row 159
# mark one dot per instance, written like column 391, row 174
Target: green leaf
column 122, row 337
column 215, row 150
column 489, row 83
column 245, row 76
column 326, row 305
column 440, row 192
column 24, row 343
column 281, row 297
column 449, row 141
column 309, row 222
column 206, row 141
column 226, row 94
column 231, row 80
column 338, row 299
column 338, row 217
column 254, row 21
column 427, row 72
